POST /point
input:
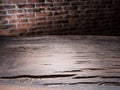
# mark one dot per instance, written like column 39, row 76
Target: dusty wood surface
column 68, row 62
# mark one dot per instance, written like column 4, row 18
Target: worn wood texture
column 64, row 61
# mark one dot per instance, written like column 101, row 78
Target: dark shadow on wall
column 97, row 18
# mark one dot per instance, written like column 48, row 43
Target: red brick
column 58, row 16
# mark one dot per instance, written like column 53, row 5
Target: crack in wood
column 38, row 76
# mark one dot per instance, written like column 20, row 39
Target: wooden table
column 60, row 63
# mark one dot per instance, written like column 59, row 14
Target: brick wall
column 35, row 17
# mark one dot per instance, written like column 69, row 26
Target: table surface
column 62, row 62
